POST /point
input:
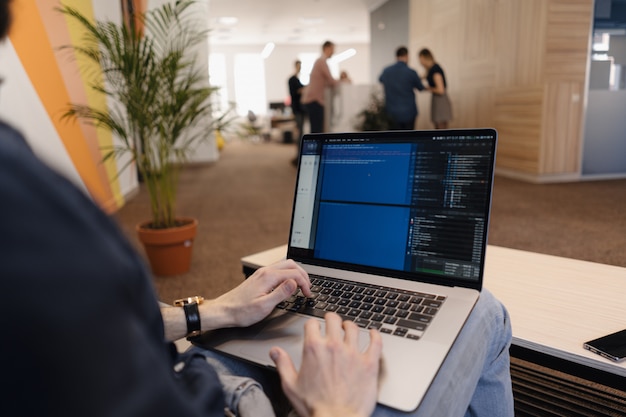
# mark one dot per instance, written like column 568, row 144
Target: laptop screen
column 409, row 204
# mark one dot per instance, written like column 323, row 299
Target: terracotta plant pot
column 169, row 250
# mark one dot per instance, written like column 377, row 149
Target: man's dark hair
column 402, row 51
column 5, row 18
column 327, row 44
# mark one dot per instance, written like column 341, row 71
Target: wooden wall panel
column 444, row 12
column 506, row 57
column 516, row 65
column 478, row 31
column 520, row 35
column 562, row 121
column 518, row 117
column 474, row 108
column 478, row 74
column 569, row 24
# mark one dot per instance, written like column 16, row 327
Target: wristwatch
column 192, row 315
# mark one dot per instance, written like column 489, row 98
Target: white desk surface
column 555, row 303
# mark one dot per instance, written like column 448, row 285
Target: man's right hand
column 335, row 378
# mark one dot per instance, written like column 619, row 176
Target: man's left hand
column 256, row 297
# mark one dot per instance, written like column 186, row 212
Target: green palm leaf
column 159, row 95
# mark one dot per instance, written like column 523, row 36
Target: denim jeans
column 299, row 117
column 474, row 380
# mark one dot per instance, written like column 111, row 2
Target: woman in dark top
column 441, row 109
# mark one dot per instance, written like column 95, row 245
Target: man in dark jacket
column 83, row 333
column 399, row 81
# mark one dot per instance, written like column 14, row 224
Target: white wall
column 21, row 107
column 205, row 150
column 111, row 11
column 279, row 66
column 389, row 29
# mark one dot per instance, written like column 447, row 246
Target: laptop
column 392, row 229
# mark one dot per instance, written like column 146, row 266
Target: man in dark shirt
column 83, row 333
column 295, row 91
column 399, row 81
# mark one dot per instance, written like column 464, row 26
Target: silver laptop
column 392, row 229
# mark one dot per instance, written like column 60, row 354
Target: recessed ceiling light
column 267, row 50
column 340, row 57
column 311, row 20
column 227, row 20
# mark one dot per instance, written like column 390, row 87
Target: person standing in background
column 399, row 81
column 313, row 96
column 295, row 91
column 441, row 109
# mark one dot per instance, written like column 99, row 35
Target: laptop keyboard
column 398, row 312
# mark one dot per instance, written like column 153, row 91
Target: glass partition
column 604, row 152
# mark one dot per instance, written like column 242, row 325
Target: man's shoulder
column 11, row 140
column 319, row 62
column 400, row 68
column 392, row 68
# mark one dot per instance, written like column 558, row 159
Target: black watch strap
column 192, row 315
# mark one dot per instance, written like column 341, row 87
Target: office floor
column 243, row 203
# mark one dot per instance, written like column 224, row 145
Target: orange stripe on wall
column 91, row 74
column 58, row 34
column 139, row 7
column 33, row 47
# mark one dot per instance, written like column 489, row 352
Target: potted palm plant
column 159, row 97
column 374, row 116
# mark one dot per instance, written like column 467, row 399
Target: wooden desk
column 555, row 303
column 252, row 262
column 276, row 121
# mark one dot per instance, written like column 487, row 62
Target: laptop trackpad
column 286, row 331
